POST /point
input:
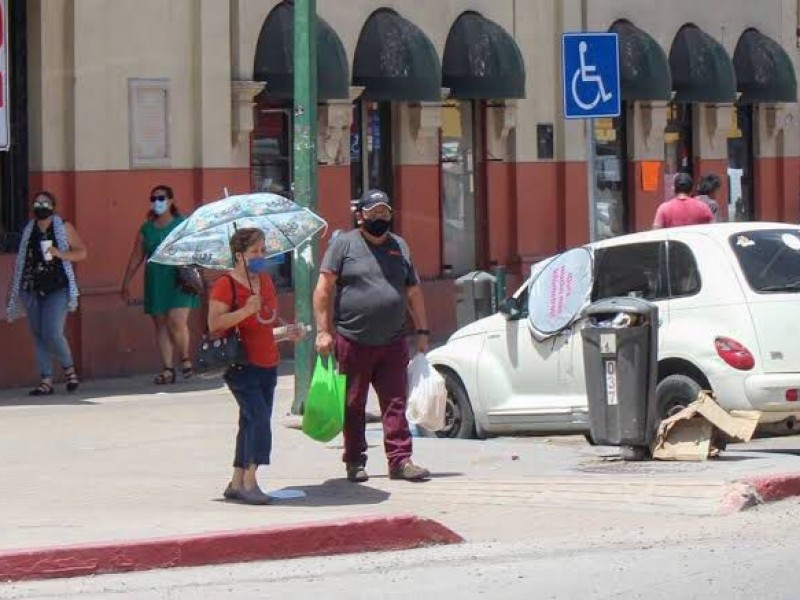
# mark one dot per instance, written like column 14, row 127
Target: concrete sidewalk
column 125, row 461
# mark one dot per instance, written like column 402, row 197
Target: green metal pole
column 304, row 176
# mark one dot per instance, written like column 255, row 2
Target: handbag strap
column 234, row 305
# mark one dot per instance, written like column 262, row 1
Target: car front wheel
column 674, row 393
column 459, row 418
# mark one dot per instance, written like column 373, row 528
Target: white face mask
column 160, row 206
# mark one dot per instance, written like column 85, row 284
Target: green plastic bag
column 323, row 413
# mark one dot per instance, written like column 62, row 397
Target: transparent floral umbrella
column 202, row 240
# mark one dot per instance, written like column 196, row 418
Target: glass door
column 678, row 145
column 741, row 205
column 371, row 162
column 609, row 212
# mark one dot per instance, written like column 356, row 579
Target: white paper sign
column 5, row 137
column 559, row 291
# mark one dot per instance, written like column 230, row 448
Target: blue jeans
column 254, row 390
column 47, row 316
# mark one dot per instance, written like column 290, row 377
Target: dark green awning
column 275, row 56
column 643, row 66
column 482, row 61
column 764, row 72
column 396, row 61
column 701, row 69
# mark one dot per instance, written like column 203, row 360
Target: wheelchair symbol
column 586, row 74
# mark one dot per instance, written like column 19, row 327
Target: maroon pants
column 385, row 368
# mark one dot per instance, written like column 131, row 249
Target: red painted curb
column 310, row 539
column 776, row 487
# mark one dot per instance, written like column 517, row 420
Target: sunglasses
column 156, row 198
column 42, row 204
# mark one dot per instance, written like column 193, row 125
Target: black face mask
column 376, row 227
column 42, row 213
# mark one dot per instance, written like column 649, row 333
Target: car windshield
column 770, row 259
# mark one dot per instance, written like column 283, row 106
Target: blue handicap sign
column 590, row 75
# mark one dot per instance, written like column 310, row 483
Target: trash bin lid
column 559, row 291
column 622, row 304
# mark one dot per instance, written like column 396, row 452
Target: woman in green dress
column 163, row 300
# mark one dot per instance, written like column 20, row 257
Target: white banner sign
column 559, row 290
column 5, row 137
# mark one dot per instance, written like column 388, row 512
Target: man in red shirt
column 682, row 209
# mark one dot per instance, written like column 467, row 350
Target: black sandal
column 72, row 380
column 43, row 389
column 187, row 368
column 166, row 377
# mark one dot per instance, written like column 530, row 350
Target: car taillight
column 791, row 395
column 734, row 354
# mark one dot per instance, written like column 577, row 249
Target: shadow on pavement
column 784, row 451
column 729, row 458
column 335, row 492
column 141, row 385
column 135, row 385
column 54, row 400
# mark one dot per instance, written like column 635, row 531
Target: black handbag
column 217, row 355
column 189, row 280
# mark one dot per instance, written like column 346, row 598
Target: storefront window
column 740, row 166
column 271, row 166
column 371, row 147
column 459, row 236
column 678, row 152
column 271, row 154
column 609, row 209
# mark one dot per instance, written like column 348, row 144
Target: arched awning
column 764, row 71
column 643, row 66
column 482, row 61
column 275, row 55
column 701, row 69
column 395, row 60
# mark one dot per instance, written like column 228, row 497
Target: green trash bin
column 620, row 355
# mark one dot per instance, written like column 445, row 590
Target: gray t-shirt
column 371, row 285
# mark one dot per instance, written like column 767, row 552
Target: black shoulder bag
column 217, row 355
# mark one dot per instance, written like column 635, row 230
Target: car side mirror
column 510, row 309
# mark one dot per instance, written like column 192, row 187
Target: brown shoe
column 410, row 472
column 357, row 473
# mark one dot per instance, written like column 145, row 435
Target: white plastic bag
column 427, row 395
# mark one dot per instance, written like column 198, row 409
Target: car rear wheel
column 459, row 418
column 674, row 393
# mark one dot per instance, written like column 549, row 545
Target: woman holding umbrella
column 164, row 301
column 245, row 299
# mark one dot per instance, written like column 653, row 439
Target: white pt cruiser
column 729, row 321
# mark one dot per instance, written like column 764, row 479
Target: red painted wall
column 418, row 215
column 777, row 189
column 501, row 213
column 552, row 208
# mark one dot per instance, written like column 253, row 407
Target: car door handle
column 494, row 336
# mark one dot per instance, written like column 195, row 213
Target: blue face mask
column 259, row 264
column 160, row 206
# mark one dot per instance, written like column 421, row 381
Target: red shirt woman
column 246, row 299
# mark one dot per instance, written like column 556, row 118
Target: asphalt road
column 750, row 557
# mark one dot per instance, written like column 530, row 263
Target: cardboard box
column 690, row 434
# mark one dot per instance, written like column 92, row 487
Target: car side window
column 684, row 276
column 637, row 269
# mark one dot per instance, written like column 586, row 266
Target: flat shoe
column 254, row 496
column 231, row 493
